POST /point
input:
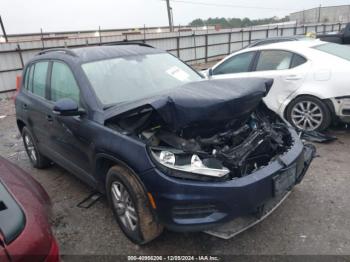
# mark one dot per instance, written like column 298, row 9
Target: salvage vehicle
column 342, row 37
column 168, row 148
column 310, row 87
column 25, row 232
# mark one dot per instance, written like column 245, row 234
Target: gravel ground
column 315, row 219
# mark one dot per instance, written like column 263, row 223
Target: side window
column 236, row 64
column 63, row 84
column 28, row 78
column 274, row 60
column 297, row 61
column 39, row 78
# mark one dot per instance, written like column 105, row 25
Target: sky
column 28, row 16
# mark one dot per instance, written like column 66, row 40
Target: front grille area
column 193, row 211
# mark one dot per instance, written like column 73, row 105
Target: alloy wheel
column 30, row 148
column 124, row 206
column 307, row 115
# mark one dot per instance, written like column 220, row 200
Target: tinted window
column 297, row 61
column 63, row 84
column 29, row 78
column 236, row 64
column 274, row 60
column 39, row 78
column 341, row 51
column 26, row 77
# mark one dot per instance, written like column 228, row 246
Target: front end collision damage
column 212, row 136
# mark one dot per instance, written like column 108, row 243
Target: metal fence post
column 295, row 30
column 178, row 46
column 20, row 55
column 250, row 36
column 99, row 34
column 195, row 45
column 206, row 47
column 229, row 42
column 42, row 38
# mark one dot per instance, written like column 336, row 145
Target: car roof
column 290, row 45
column 96, row 53
column 292, row 38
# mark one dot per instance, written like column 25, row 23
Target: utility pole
column 3, row 29
column 319, row 14
column 170, row 18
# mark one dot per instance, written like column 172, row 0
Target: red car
column 25, row 232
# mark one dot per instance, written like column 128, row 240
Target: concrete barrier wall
column 192, row 47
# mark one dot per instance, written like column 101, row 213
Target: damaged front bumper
column 186, row 205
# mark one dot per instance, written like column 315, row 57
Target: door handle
column 24, row 106
column 49, row 118
column 293, row 77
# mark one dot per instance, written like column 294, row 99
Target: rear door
column 288, row 70
column 35, row 108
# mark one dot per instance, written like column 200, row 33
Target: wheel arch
column 20, row 125
column 103, row 163
column 327, row 102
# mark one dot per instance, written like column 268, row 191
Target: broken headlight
column 181, row 163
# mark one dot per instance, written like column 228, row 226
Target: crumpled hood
column 207, row 102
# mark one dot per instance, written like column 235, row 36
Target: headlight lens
column 180, row 161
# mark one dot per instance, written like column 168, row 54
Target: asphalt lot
column 315, row 219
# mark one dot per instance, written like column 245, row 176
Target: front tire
column 308, row 113
column 37, row 159
column 131, row 206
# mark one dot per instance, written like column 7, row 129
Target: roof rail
column 126, row 42
column 63, row 50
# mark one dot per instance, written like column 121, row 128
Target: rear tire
column 37, row 159
column 308, row 113
column 131, row 206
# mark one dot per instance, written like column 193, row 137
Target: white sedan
column 311, row 79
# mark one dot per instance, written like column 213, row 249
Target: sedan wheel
column 124, row 206
column 307, row 115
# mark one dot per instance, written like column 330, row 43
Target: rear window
column 341, row 51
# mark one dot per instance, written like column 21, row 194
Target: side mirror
column 67, row 107
column 210, row 72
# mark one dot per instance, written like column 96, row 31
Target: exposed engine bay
column 217, row 148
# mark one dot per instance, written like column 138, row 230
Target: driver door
column 70, row 140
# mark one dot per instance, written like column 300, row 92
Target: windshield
column 135, row 77
column 341, row 51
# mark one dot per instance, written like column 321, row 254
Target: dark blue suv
column 167, row 147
